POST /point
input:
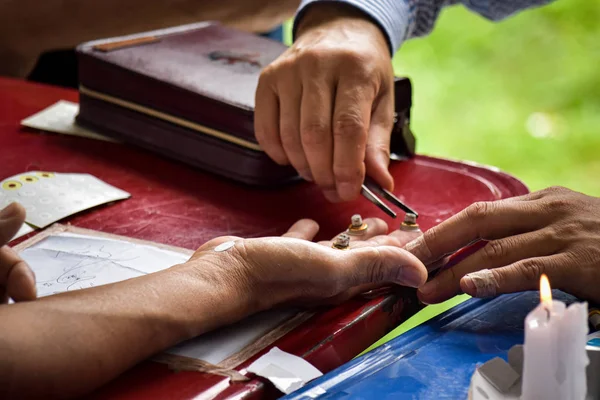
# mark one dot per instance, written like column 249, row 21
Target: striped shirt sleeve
column 404, row 19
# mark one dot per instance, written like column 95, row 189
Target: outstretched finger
column 495, row 254
column 305, row 229
column 484, row 220
column 517, row 277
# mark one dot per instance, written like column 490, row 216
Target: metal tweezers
column 371, row 189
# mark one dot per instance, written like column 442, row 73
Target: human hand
column 377, row 237
column 555, row 232
column 17, row 280
column 325, row 106
column 257, row 274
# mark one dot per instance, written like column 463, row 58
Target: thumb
column 385, row 264
column 17, row 278
column 377, row 155
column 11, row 219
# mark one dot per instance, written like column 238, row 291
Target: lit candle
column 554, row 353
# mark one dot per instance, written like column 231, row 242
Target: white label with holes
column 49, row 197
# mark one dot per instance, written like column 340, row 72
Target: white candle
column 554, row 353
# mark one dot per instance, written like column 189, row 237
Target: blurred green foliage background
column 522, row 94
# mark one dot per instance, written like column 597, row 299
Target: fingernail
column 419, row 249
column 392, row 183
column 32, row 285
column 469, row 285
column 480, row 283
column 9, row 211
column 383, row 159
column 429, row 287
column 411, row 277
column 347, row 191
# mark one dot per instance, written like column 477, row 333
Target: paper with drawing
column 68, row 261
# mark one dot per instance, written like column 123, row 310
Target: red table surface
column 178, row 205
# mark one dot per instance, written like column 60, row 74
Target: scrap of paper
column 286, row 371
column 49, row 197
column 60, row 118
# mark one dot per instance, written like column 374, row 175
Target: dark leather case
column 188, row 93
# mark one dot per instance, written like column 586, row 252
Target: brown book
column 188, row 93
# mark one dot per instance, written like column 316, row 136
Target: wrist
column 335, row 15
column 217, row 291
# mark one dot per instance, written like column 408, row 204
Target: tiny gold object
column 341, row 242
column 410, row 223
column 357, row 226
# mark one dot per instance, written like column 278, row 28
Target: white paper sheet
column 286, row 371
column 145, row 259
column 66, row 271
column 219, row 345
column 60, row 118
column 49, row 197
column 67, row 261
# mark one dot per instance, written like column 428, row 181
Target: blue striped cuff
column 394, row 17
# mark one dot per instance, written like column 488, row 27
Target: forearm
column 29, row 27
column 70, row 343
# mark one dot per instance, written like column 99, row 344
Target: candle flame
column 545, row 291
